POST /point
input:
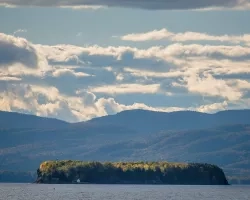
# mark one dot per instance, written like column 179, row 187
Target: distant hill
column 222, row 139
column 226, row 146
column 150, row 122
column 18, row 120
column 141, row 121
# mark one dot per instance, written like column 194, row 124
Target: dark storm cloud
column 144, row 4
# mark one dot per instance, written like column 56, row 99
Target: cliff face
column 130, row 173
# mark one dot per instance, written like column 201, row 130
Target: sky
column 80, row 59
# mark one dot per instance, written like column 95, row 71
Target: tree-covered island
column 66, row 172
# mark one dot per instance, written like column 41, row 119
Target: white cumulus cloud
column 77, row 83
column 127, row 89
column 186, row 36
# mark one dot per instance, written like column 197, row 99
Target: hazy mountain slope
column 17, row 120
column 139, row 120
column 226, row 146
column 151, row 122
column 24, row 148
column 119, row 137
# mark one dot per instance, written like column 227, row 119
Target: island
column 79, row 172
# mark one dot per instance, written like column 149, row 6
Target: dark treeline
column 17, row 177
column 130, row 173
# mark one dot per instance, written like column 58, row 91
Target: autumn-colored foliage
column 130, row 172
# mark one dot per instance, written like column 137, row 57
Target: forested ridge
column 130, row 173
column 222, row 139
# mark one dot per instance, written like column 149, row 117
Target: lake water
column 122, row 192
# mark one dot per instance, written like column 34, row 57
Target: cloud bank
column 142, row 4
column 184, row 37
column 77, row 83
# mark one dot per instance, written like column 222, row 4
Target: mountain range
column 222, row 138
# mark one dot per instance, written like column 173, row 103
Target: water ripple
column 121, row 192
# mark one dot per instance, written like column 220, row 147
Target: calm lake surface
column 121, row 192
